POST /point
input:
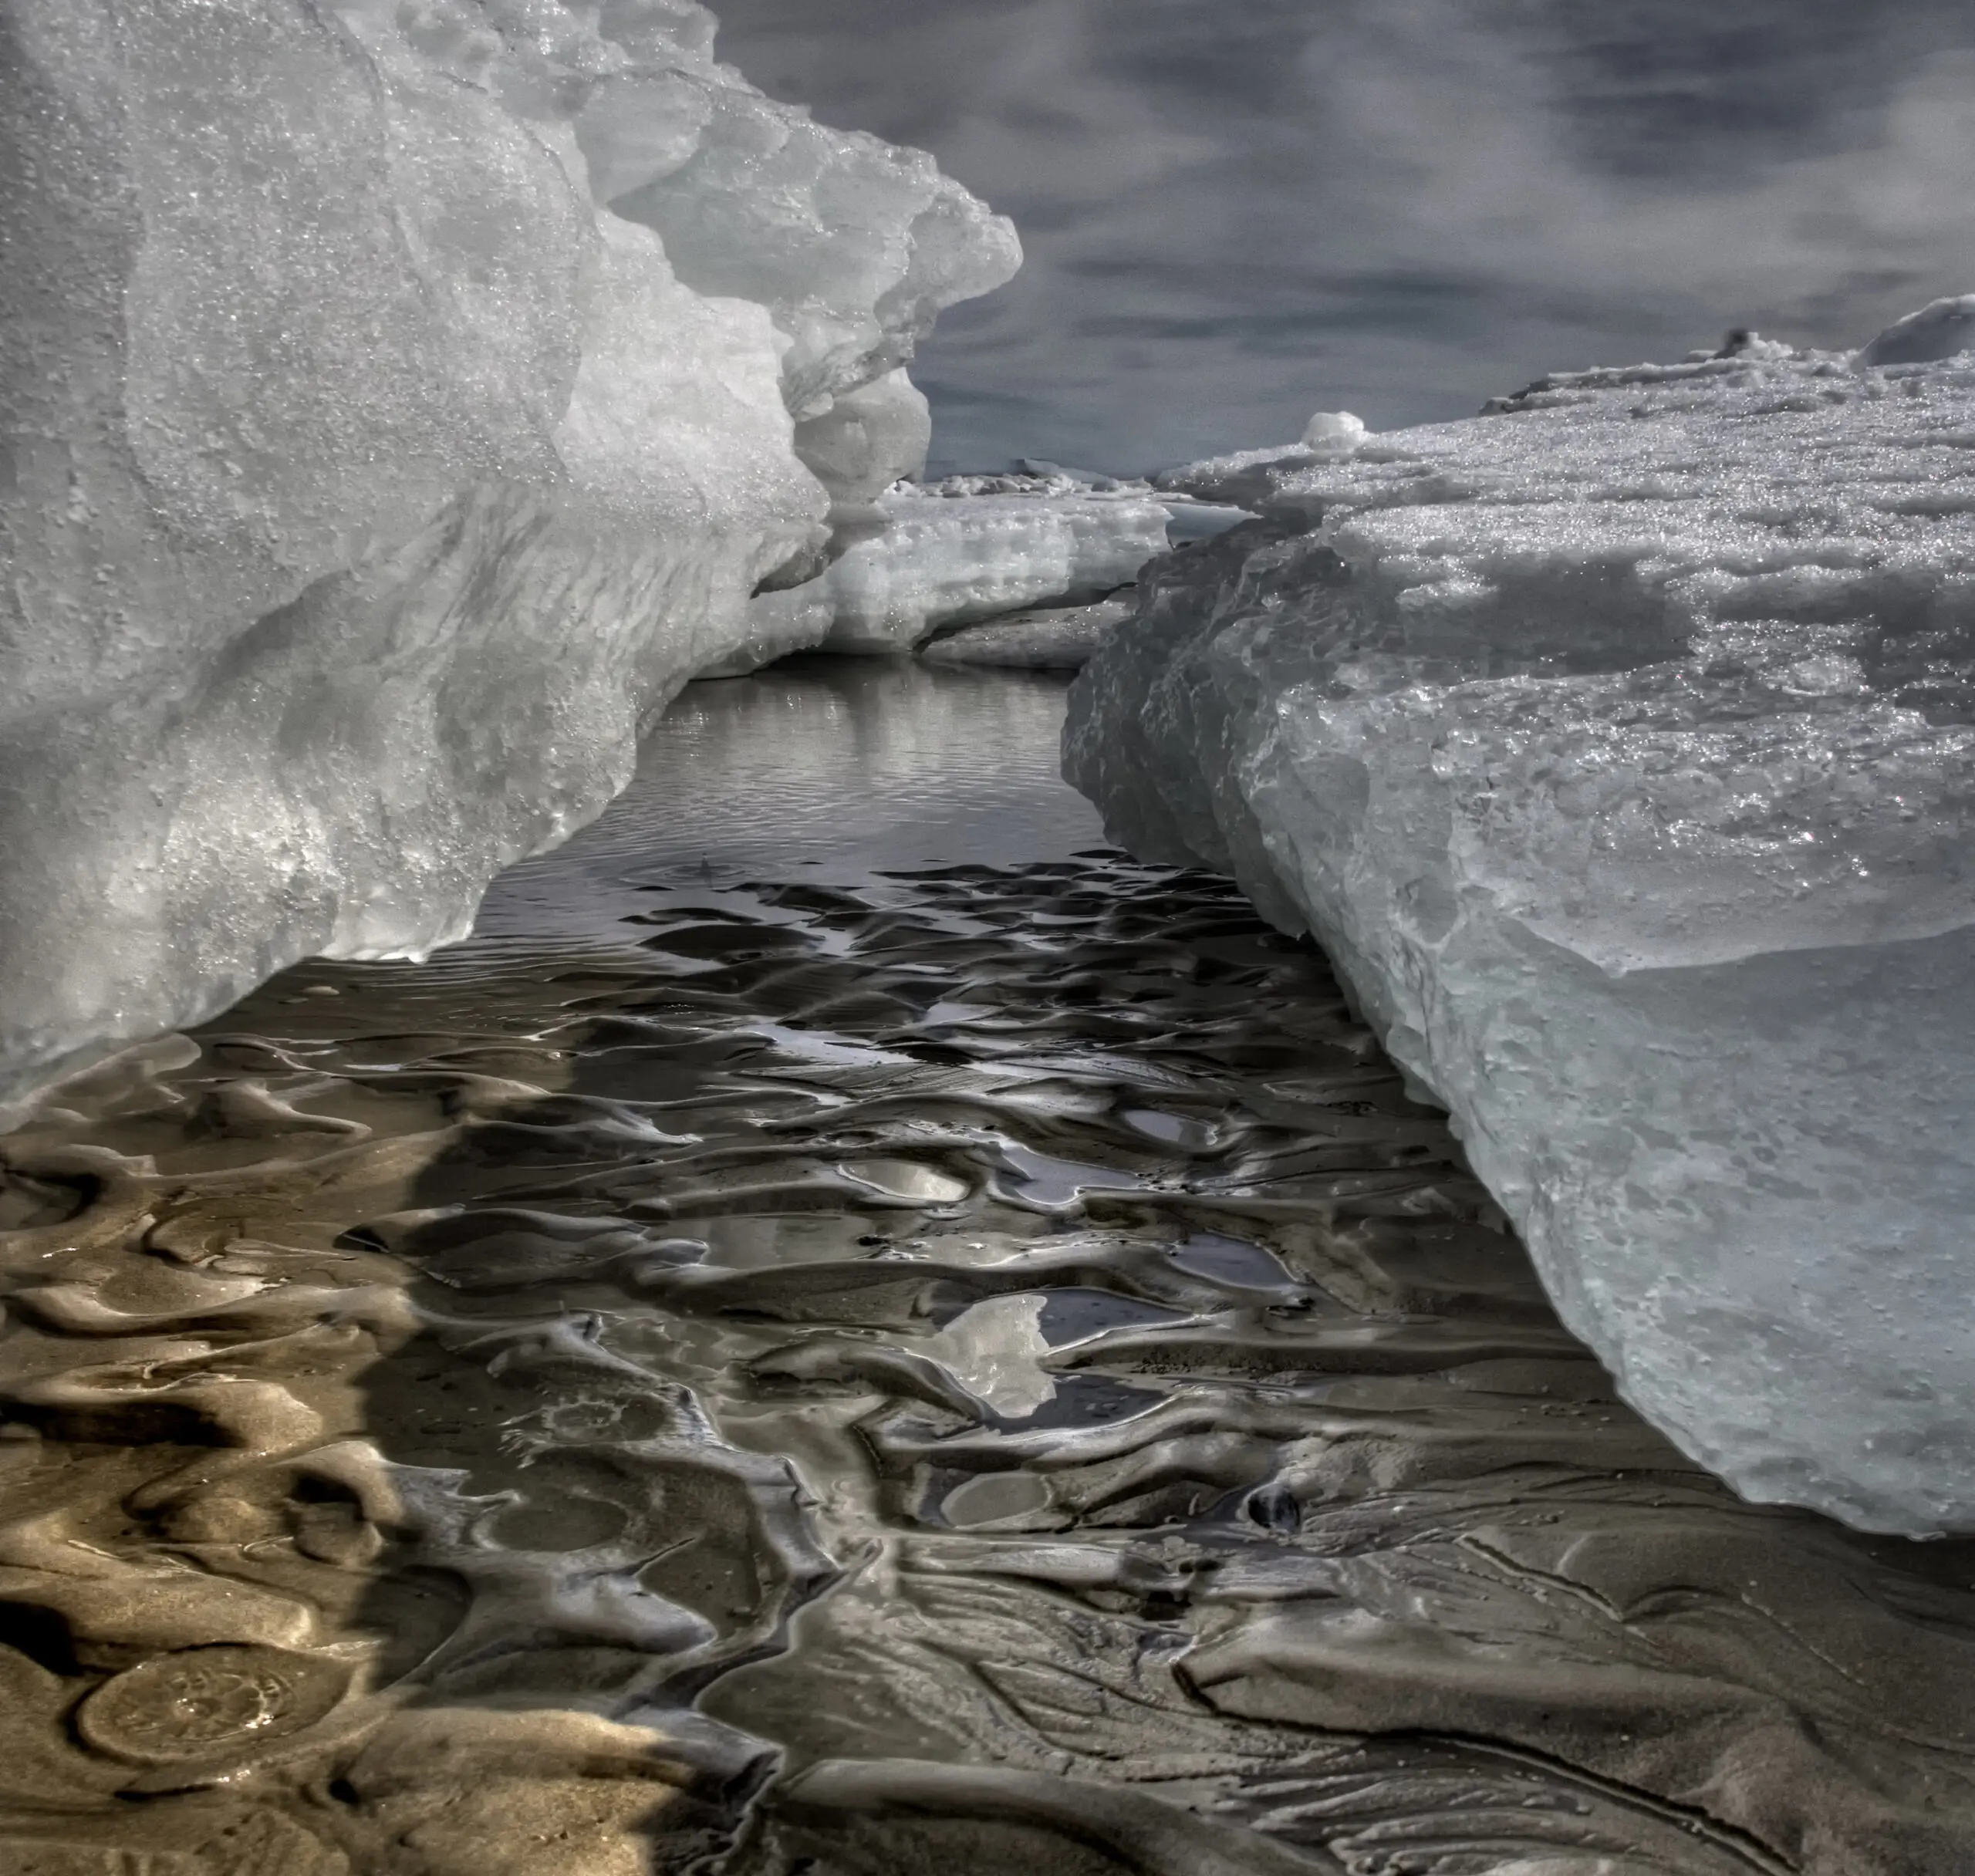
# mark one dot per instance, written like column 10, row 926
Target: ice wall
column 1619, row 746
column 401, row 402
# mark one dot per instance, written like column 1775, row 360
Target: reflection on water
column 871, row 1368
column 823, row 768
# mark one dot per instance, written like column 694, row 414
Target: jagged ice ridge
column 403, row 401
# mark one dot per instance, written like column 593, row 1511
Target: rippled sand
column 857, row 1372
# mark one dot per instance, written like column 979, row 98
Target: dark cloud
column 1238, row 211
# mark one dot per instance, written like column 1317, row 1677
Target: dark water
column 856, row 1332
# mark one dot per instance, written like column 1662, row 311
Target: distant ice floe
column 1619, row 746
column 925, row 559
column 947, row 558
column 1045, row 638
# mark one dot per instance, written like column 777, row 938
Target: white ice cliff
column 1619, row 746
column 400, row 402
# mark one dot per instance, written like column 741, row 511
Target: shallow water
column 854, row 1331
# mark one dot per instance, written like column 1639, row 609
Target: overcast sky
column 1239, row 211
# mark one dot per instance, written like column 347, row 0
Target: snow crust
column 1619, row 745
column 402, row 402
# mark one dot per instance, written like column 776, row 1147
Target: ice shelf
column 403, row 403
column 1619, row 746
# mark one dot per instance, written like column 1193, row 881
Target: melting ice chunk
column 1334, row 432
column 1619, row 746
column 382, row 465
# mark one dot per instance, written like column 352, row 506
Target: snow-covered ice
column 402, row 402
column 1937, row 330
column 1249, row 479
column 1619, row 746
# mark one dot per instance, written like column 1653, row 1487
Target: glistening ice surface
column 871, row 1337
column 1619, row 747
column 401, row 403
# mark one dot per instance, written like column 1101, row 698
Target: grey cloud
column 1237, row 211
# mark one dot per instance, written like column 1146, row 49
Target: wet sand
column 855, row 1332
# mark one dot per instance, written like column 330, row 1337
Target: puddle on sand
column 577, row 1408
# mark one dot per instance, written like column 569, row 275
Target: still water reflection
column 854, row 1332
column 833, row 769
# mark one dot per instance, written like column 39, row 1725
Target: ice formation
column 1619, row 746
column 948, row 555
column 1248, row 480
column 920, row 562
column 868, row 439
column 402, row 402
column 1937, row 330
column 1063, row 637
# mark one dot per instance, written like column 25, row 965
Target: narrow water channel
column 853, row 1331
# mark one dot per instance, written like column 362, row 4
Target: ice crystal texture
column 1619, row 745
column 402, row 402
